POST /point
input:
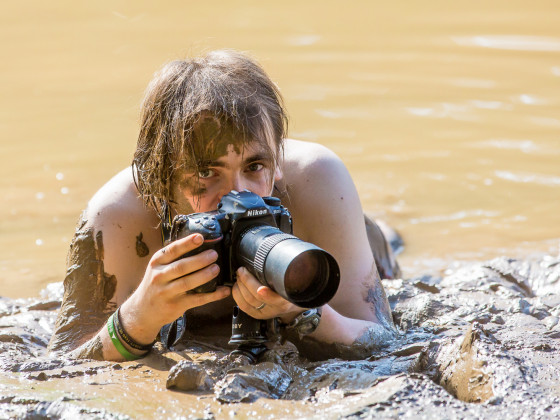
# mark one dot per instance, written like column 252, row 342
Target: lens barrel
column 297, row 270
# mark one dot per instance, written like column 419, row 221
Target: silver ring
column 258, row 308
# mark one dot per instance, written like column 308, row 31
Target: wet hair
column 225, row 87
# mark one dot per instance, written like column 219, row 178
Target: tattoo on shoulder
column 141, row 248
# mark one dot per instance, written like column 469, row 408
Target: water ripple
column 530, row 99
column 455, row 216
column 444, row 110
column 525, row 146
column 303, row 40
column 548, row 180
column 490, row 104
column 511, row 42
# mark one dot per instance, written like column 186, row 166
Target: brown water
column 447, row 115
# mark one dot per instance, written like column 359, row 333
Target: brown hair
column 227, row 86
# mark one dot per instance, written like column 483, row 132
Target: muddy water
column 447, row 116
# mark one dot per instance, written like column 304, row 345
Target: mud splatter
column 212, row 138
column 188, row 376
column 465, row 377
column 92, row 349
column 189, row 183
column 88, row 291
column 141, row 248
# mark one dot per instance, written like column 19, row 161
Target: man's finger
column 186, row 266
column 178, row 248
column 198, row 299
column 249, row 281
column 191, row 281
column 248, row 296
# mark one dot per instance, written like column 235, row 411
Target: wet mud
column 88, row 292
column 480, row 341
column 142, row 249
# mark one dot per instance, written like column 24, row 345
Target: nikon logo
column 252, row 213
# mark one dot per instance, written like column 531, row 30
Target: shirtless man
column 210, row 125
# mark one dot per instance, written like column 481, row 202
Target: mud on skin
column 141, row 248
column 88, row 291
column 373, row 338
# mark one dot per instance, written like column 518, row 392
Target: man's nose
column 238, row 183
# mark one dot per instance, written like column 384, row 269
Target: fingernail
column 198, row 239
column 212, row 255
column 241, row 271
column 214, row 269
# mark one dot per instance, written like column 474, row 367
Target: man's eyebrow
column 211, row 163
column 255, row 157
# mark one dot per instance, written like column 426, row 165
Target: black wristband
column 126, row 338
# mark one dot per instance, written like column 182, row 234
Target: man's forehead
column 248, row 151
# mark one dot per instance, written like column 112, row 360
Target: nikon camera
column 256, row 232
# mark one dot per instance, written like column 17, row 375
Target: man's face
column 240, row 167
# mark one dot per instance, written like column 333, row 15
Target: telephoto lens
column 297, row 270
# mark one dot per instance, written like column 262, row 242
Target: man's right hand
column 162, row 295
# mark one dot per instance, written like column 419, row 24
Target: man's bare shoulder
column 311, row 171
column 314, row 178
column 303, row 155
column 130, row 230
column 119, row 200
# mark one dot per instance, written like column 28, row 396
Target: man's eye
column 255, row 167
column 205, row 173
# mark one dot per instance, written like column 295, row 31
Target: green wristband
column 117, row 343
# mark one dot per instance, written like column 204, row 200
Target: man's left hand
column 261, row 302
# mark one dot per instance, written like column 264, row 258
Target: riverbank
column 482, row 340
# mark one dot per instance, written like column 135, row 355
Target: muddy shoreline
column 482, row 340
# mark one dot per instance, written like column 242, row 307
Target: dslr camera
column 256, row 232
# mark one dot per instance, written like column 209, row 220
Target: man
column 210, row 125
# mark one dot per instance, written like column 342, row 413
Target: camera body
column 256, row 233
column 238, row 214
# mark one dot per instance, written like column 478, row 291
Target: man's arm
column 89, row 295
column 327, row 212
column 108, row 268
